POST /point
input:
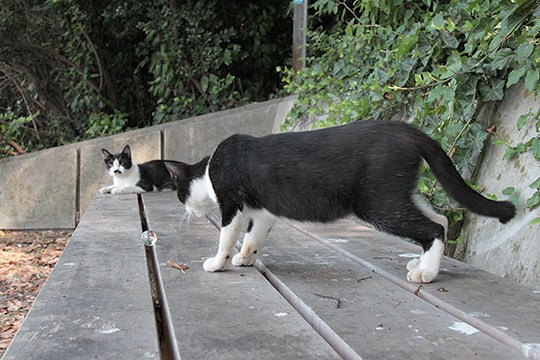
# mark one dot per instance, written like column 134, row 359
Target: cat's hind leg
column 407, row 220
column 428, row 212
column 230, row 229
column 258, row 230
column 427, row 268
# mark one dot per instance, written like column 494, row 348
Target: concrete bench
column 318, row 292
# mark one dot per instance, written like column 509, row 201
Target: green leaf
column 348, row 31
column 535, row 221
column 522, row 121
column 509, row 191
column 535, row 148
column 509, row 153
column 533, row 201
column 204, row 83
column 405, row 45
column 523, row 52
column 438, row 22
column 535, row 184
column 493, row 91
column 531, row 80
column 501, row 58
column 514, row 76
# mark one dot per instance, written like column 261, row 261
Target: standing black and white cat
column 367, row 168
column 130, row 177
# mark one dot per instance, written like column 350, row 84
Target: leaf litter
column 26, row 260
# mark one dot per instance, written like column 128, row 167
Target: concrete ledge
column 38, row 190
column 200, row 136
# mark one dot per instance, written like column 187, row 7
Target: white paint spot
column 478, row 314
column 409, row 255
column 463, row 328
column 531, row 350
column 109, row 331
column 503, row 328
column 339, row 241
column 282, row 314
column 149, row 355
column 418, row 312
column 379, row 328
column 536, row 291
column 69, row 264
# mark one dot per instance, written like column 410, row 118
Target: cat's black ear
column 106, row 155
column 127, row 151
column 177, row 170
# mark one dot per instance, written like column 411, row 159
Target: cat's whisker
column 184, row 220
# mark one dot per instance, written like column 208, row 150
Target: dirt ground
column 26, row 260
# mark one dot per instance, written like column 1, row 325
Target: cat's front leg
column 227, row 240
column 127, row 190
column 258, row 230
column 106, row 189
column 426, row 269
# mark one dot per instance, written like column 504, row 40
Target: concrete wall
column 511, row 250
column 50, row 189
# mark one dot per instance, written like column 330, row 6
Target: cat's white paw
column 413, row 264
column 242, row 260
column 214, row 264
column 105, row 190
column 421, row 276
column 122, row 190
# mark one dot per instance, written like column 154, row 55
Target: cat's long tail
column 457, row 188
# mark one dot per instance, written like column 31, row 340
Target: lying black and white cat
column 130, row 177
column 367, row 168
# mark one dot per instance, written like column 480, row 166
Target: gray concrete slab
column 378, row 319
column 229, row 315
column 97, row 302
column 38, row 190
column 503, row 305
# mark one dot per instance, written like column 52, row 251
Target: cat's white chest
column 202, row 198
column 127, row 178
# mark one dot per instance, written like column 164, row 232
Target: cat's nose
column 117, row 172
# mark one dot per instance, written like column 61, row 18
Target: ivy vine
column 437, row 64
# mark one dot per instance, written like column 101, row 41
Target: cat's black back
column 154, row 175
column 368, row 168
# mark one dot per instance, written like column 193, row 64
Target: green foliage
column 12, row 127
column 97, row 68
column 437, row 64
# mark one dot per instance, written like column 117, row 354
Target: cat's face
column 118, row 164
column 193, row 188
